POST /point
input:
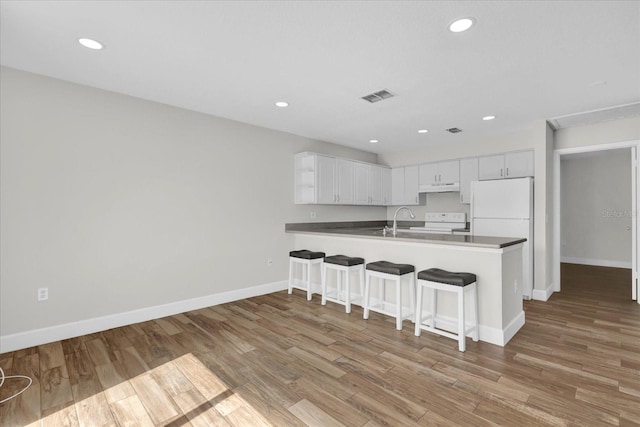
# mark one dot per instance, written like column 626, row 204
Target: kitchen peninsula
column 496, row 261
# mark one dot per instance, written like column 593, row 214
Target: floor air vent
column 378, row 96
column 454, row 130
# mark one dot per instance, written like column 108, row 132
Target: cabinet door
column 397, row 186
column 360, row 183
column 411, row 184
column 386, row 186
column 344, row 182
column 449, row 172
column 326, row 180
column 429, row 174
column 375, row 185
column 491, row 167
column 468, row 173
column 518, row 164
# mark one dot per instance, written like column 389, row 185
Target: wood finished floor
column 280, row 360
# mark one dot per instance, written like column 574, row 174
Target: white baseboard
column 597, row 262
column 485, row 333
column 544, row 294
column 512, row 328
column 69, row 330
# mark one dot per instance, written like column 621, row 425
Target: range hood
column 439, row 188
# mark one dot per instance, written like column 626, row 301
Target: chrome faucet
column 395, row 218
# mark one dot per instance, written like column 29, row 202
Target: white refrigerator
column 504, row 208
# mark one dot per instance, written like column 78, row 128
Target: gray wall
column 115, row 203
column 596, row 208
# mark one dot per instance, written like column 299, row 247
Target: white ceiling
column 523, row 61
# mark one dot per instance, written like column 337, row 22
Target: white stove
column 442, row 222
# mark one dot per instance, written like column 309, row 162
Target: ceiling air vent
column 378, row 96
column 453, row 130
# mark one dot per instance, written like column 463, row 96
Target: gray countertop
column 373, row 230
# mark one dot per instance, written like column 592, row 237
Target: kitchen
column 154, row 177
column 497, row 191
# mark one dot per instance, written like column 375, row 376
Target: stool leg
column 365, row 303
column 418, row 313
column 412, row 294
column 474, row 295
column 290, row 276
column 434, row 304
column 399, row 303
column 362, row 282
column 324, row 283
column 381, row 290
column 308, row 281
column 347, row 298
column 461, row 324
column 338, row 284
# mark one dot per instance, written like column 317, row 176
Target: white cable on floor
column 2, row 378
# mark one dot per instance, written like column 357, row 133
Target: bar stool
column 307, row 259
column 384, row 270
column 342, row 264
column 441, row 280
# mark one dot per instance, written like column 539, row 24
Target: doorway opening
column 595, row 211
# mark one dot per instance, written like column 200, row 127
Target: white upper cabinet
column 411, row 185
column 449, row 172
column 360, row 183
column 404, row 185
column 429, row 174
column 386, row 186
column 440, row 173
column 516, row 164
column 468, row 173
column 326, row 192
column 344, row 181
column 328, row 180
column 397, row 186
column 376, row 185
column 491, row 167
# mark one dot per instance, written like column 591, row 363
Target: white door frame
column 635, row 149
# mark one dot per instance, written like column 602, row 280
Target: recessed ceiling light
column 373, row 141
column 485, row 118
column 282, row 104
column 423, row 131
column 90, row 44
column 461, row 25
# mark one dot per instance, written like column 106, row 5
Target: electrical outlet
column 515, row 286
column 43, row 294
column 313, row 215
column 269, row 262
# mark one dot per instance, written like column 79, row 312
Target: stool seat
column 344, row 260
column 447, row 277
column 391, row 268
column 305, row 254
